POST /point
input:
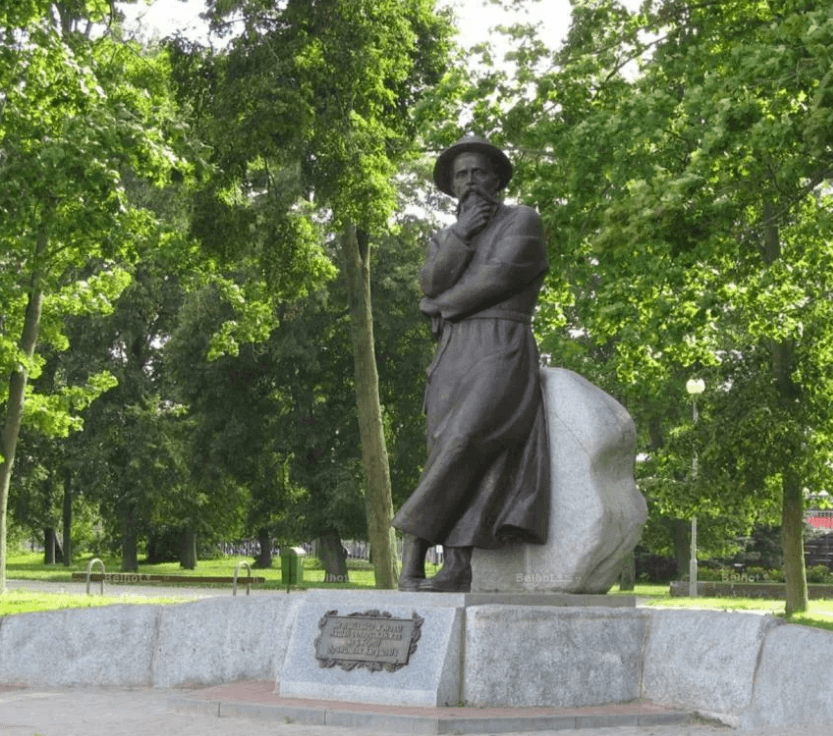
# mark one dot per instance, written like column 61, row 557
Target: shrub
column 818, row 574
column 707, row 573
column 759, row 574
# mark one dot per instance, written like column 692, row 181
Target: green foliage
column 316, row 98
column 762, row 574
column 171, row 233
column 310, row 110
column 278, row 418
column 77, row 116
column 819, row 574
column 134, row 456
column 680, row 158
column 706, row 573
column 81, row 119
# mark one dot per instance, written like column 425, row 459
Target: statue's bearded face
column 473, row 171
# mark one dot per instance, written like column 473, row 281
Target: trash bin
column 292, row 565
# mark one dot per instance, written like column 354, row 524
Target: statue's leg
column 455, row 574
column 413, row 562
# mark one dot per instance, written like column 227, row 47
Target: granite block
column 793, row 682
column 548, row 598
column 560, row 657
column 466, row 600
column 110, row 646
column 704, row 659
column 747, row 670
column 364, row 599
column 596, row 510
column 430, row 678
column 222, row 639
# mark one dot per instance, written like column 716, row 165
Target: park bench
column 139, row 577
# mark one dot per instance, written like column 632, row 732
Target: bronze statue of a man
column 486, row 481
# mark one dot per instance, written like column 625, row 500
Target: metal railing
column 237, row 572
column 90, row 570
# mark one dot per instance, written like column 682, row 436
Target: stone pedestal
column 596, row 512
column 525, row 656
column 431, row 677
column 468, row 645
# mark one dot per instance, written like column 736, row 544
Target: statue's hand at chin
column 474, row 214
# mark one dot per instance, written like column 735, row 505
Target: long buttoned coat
column 486, row 480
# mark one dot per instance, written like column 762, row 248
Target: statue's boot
column 413, row 563
column 455, row 574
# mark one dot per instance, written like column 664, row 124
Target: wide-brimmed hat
column 443, row 169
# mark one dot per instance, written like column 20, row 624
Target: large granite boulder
column 596, row 512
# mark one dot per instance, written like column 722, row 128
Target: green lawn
column 24, row 601
column 29, row 566
column 819, row 615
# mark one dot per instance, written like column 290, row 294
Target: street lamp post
column 694, row 387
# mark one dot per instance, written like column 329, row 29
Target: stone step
column 256, row 699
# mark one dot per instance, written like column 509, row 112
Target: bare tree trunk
column 188, row 549
column 49, row 543
column 627, row 577
column 14, row 405
column 333, row 557
column 792, row 504
column 67, row 518
column 378, row 501
column 129, row 540
column 264, row 555
column 681, row 533
column 792, row 542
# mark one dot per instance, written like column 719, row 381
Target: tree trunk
column 49, row 543
column 14, row 405
column 792, row 504
column 333, row 556
column 67, row 518
column 188, row 549
column 627, row 577
column 792, row 542
column 263, row 561
column 681, row 532
column 378, row 501
column 129, row 541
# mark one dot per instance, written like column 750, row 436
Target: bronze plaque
column 372, row 639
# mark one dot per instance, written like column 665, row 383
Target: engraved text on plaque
column 372, row 639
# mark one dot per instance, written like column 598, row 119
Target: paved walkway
column 107, row 712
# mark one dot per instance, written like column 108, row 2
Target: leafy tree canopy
column 680, row 156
